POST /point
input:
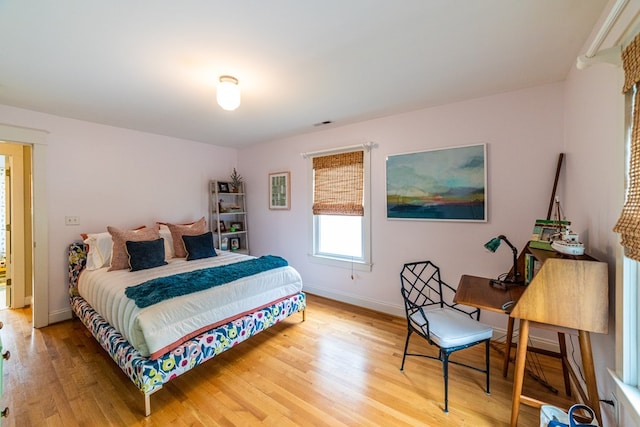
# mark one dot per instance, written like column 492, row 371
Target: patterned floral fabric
column 77, row 262
column 149, row 375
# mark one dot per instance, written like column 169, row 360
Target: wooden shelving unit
column 228, row 217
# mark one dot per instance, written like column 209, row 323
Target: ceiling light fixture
column 228, row 93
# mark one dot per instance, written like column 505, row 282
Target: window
column 340, row 212
column 627, row 375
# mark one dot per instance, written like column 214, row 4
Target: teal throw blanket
column 162, row 288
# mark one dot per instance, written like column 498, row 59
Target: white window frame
column 626, row 377
column 340, row 261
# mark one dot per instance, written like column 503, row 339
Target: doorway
column 36, row 139
column 5, row 210
column 15, row 226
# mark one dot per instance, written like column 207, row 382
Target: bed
column 151, row 354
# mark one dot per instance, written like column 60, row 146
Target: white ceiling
column 152, row 65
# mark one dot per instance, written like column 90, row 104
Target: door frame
column 40, row 262
column 19, row 246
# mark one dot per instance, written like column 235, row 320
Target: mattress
column 156, row 329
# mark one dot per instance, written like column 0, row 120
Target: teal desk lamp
column 493, row 244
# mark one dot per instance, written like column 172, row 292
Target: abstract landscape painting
column 446, row 184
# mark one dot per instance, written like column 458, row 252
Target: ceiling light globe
column 228, row 93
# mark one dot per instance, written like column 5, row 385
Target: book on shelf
column 531, row 267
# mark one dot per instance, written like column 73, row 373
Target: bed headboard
column 77, row 262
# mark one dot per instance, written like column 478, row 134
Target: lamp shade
column 493, row 244
column 228, row 93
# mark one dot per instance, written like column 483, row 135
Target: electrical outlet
column 616, row 408
column 71, row 220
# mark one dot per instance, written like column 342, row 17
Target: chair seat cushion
column 451, row 328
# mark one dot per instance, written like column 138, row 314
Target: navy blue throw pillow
column 147, row 254
column 200, row 246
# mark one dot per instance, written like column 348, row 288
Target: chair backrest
column 421, row 285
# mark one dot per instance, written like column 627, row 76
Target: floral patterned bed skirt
column 149, row 375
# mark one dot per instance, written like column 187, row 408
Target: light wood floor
column 339, row 367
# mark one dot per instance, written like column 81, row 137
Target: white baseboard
column 60, row 315
column 538, row 342
column 542, row 343
column 356, row 300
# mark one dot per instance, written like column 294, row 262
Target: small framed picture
column 235, row 243
column 221, row 227
column 223, row 187
column 236, row 226
column 279, row 191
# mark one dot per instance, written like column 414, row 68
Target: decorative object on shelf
column 565, row 241
column 228, row 93
column 234, row 242
column 492, row 245
column 444, row 185
column 223, row 187
column 544, row 231
column 568, row 244
column 236, row 181
column 221, row 227
column 279, row 191
column 237, row 226
column 224, row 244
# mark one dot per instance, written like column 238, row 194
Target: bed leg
column 147, row 405
column 147, row 402
column 304, row 315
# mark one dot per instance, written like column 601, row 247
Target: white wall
column 119, row 177
column 594, row 180
column 524, row 133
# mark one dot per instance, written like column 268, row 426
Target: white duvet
column 156, row 329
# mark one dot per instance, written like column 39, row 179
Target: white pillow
column 165, row 233
column 100, row 248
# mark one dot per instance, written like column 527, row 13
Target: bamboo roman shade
column 338, row 181
column 628, row 224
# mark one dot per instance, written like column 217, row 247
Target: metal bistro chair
column 443, row 325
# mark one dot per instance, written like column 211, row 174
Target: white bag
column 551, row 416
column 549, row 413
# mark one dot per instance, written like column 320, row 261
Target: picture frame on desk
column 543, row 232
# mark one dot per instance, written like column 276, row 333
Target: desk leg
column 507, row 349
column 518, row 376
column 589, row 373
column 562, row 343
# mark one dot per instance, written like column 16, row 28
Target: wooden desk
column 571, row 294
column 477, row 292
column 544, row 304
column 474, row 291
